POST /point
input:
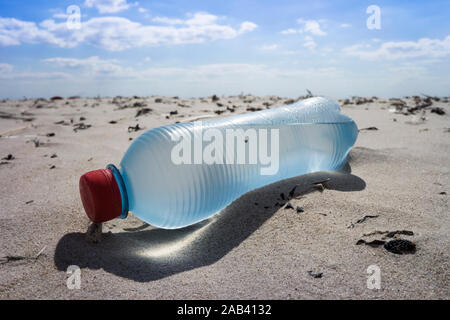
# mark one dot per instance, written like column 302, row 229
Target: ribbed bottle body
column 180, row 174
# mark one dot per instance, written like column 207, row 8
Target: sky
column 199, row 48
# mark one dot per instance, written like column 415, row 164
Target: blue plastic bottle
column 176, row 175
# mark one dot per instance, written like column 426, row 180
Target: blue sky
column 199, row 48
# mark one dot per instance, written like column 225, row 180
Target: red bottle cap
column 100, row 195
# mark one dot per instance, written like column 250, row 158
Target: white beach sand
column 398, row 173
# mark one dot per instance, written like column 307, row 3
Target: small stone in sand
column 300, row 210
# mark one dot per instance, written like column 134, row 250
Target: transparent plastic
column 313, row 136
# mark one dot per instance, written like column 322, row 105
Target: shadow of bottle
column 153, row 253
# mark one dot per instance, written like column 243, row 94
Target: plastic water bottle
column 176, row 175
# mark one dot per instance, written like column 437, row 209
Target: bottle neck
column 123, row 190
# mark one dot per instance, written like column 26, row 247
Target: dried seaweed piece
column 369, row 129
column 8, row 157
column 352, row 225
column 143, row 111
column 253, row 109
column 80, row 126
column 5, row 115
column 134, row 128
column 374, row 243
column 391, row 234
column 400, row 246
column 315, row 275
column 438, row 111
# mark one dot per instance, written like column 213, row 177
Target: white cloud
column 290, row 31
column 5, row 68
column 142, row 10
column 345, row 25
column 109, row 6
column 14, row 32
column 117, row 33
column 308, row 26
column 113, row 69
column 166, row 20
column 91, row 65
column 6, row 73
column 247, row 27
column 60, row 15
column 309, row 43
column 312, row 26
column 430, row 48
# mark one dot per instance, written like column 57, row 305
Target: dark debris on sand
column 315, row 275
column 400, row 246
column 143, row 111
column 134, row 128
column 8, row 157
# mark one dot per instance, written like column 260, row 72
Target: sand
column 398, row 175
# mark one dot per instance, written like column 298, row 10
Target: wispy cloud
column 309, row 43
column 94, row 67
column 425, row 47
column 312, row 26
column 5, row 68
column 91, row 65
column 118, row 33
column 109, row 6
column 307, row 26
